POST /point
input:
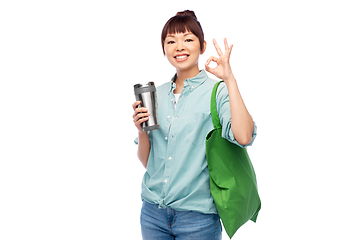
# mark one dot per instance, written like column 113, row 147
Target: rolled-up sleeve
column 223, row 107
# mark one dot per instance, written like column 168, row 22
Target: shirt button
column 165, row 181
column 170, row 158
column 172, row 135
column 168, row 117
column 165, row 138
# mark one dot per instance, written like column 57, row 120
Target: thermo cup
column 146, row 93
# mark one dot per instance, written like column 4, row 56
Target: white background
column 68, row 165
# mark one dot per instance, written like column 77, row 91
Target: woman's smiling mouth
column 181, row 58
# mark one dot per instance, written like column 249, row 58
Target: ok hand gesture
column 223, row 69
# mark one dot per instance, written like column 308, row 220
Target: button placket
column 170, row 147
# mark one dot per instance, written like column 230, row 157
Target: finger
column 207, row 68
column 231, row 47
column 138, row 123
column 144, row 119
column 207, row 64
column 135, row 104
column 138, row 120
column 226, row 44
column 139, row 111
column 217, row 48
column 212, row 58
column 227, row 48
column 140, row 116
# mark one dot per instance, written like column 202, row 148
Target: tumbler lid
column 144, row 84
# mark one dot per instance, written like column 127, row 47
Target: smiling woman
column 176, row 182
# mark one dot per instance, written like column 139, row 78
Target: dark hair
column 183, row 22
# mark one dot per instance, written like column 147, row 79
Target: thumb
column 209, row 69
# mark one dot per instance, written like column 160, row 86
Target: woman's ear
column 204, row 48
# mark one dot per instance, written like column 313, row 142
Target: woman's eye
column 188, row 40
column 170, row 42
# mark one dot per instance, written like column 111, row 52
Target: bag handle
column 214, row 112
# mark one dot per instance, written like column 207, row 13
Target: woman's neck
column 182, row 75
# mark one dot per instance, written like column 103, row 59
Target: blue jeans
column 166, row 224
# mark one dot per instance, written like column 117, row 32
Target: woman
column 177, row 203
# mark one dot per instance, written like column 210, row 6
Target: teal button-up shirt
column 177, row 175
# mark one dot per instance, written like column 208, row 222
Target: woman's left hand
column 223, row 69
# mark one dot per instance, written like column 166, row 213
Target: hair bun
column 187, row 13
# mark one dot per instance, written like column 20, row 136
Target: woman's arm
column 242, row 124
column 141, row 115
column 143, row 148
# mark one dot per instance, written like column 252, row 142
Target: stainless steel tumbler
column 146, row 93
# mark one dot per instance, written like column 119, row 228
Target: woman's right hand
column 140, row 115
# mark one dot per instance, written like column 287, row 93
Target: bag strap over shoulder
column 214, row 112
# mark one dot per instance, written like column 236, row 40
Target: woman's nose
column 179, row 47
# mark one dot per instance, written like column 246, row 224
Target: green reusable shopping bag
column 232, row 177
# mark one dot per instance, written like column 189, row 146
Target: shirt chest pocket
column 197, row 127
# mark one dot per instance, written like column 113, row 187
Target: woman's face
column 183, row 50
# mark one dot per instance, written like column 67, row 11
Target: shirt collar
column 193, row 83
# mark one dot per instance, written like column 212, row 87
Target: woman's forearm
column 143, row 148
column 242, row 124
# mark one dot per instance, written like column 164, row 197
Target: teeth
column 181, row 57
